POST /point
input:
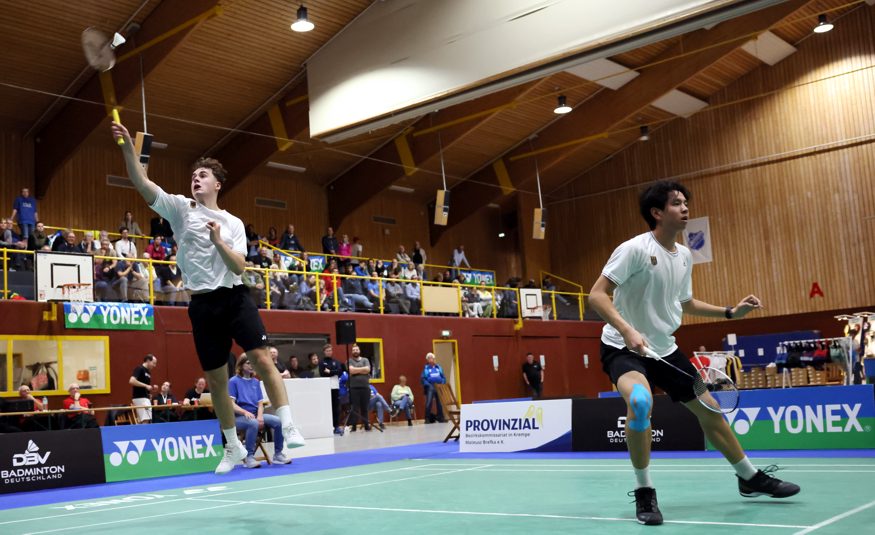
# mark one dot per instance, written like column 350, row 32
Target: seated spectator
column 157, row 249
column 395, row 294
column 378, row 402
column 26, row 423
column 24, row 392
column 280, row 367
column 363, row 269
column 289, row 241
column 354, row 292
column 67, row 244
column 485, row 296
column 402, row 399
column 170, row 278
column 38, row 238
column 508, row 306
column 82, row 419
column 328, row 291
column 283, row 289
column 412, row 292
column 408, row 271
column 255, row 282
column 471, row 301
column 129, row 223
column 245, row 392
column 192, row 398
column 402, row 257
column 439, row 277
column 272, row 237
column 374, row 289
column 295, row 369
column 10, row 240
column 307, row 291
column 122, row 278
column 265, row 258
column 125, row 245
column 89, row 245
column 138, row 283
column 164, row 398
column 104, row 273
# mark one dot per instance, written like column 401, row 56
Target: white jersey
column 652, row 282
column 202, row 266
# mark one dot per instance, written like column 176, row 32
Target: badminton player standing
column 212, row 246
column 650, row 277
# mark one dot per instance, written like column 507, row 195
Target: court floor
column 461, row 494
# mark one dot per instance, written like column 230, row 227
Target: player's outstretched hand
column 746, row 305
column 215, row 231
column 119, row 131
column 635, row 341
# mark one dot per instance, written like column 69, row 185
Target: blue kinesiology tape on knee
column 641, row 401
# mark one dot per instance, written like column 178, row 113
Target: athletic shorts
column 219, row 316
column 144, row 410
column 616, row 362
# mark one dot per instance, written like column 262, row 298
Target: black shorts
column 220, row 315
column 616, row 362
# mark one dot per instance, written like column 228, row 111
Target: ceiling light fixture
column 561, row 106
column 287, row 167
column 303, row 24
column 645, row 133
column 823, row 25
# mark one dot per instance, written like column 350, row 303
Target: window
column 48, row 364
column 372, row 349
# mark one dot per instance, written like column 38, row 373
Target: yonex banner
column 839, row 417
column 50, row 459
column 516, row 426
column 118, row 316
column 476, row 277
column 154, row 450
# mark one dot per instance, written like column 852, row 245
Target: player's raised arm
column 148, row 189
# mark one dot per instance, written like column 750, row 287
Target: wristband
column 728, row 313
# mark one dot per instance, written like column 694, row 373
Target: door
column 446, row 355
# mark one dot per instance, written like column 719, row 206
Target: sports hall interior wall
column 801, row 210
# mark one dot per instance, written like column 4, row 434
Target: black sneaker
column 764, row 484
column 646, row 508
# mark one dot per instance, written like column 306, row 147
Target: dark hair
column 148, row 358
column 122, row 228
column 212, row 164
column 657, row 196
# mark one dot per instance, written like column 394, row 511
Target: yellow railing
column 265, row 275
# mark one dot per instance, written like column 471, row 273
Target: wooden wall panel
column 786, row 181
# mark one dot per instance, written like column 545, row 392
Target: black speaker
column 345, row 331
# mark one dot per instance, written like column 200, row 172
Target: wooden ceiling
column 212, row 86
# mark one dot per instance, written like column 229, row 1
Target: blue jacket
column 433, row 375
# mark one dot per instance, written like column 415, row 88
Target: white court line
column 628, row 468
column 135, row 519
column 653, row 463
column 517, row 515
column 144, row 504
column 835, row 519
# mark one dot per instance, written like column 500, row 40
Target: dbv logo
column 742, row 425
column 132, row 456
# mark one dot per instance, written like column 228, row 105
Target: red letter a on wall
column 815, row 290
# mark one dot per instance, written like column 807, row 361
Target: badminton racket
column 713, row 388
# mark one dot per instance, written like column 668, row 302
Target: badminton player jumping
column 212, row 246
column 650, row 277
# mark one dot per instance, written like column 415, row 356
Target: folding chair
column 451, row 409
column 259, row 444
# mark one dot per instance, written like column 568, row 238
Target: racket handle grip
column 116, row 118
column 651, row 353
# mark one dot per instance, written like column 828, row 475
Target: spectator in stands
column 459, row 257
column 394, row 268
column 245, row 392
column 171, row 282
column 432, row 375
column 289, row 241
column 26, row 423
column 332, row 369
column 329, row 242
column 38, row 238
column 485, row 295
column 402, row 399
column 25, row 393
column 359, row 395
column 139, row 279
column 163, row 398
column 295, row 369
column 419, row 258
column 413, row 294
column 157, row 250
column 159, row 226
column 265, row 259
column 401, row 256
column 307, row 293
column 378, row 403
column 122, row 278
column 408, row 271
column 354, row 292
column 283, row 289
column 344, row 249
column 24, row 206
column 313, row 365
column 125, row 245
column 373, row 289
column 10, row 240
column 129, row 223
column 89, row 245
column 82, row 419
column 272, row 237
column 507, row 308
column 395, row 294
column 255, row 282
column 66, row 245
column 280, row 367
column 328, row 291
column 471, row 301
column 194, row 394
column 141, row 386
column 357, row 251
column 439, row 277
column 548, row 285
column 533, row 375
column 252, row 239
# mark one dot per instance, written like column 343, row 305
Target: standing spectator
column 533, row 375
column 419, row 258
column 38, row 238
column 129, row 223
column 356, row 251
column 25, row 207
column 402, row 399
column 75, row 402
column 141, row 383
column 332, row 369
column 251, row 243
column 124, row 246
column 432, row 375
column 402, row 257
column 459, row 258
column 329, row 242
column 289, row 241
column 313, row 365
column 159, row 226
column 359, row 395
column 245, row 392
column 344, row 249
column 272, row 237
column 280, row 367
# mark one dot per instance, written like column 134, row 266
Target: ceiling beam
column 278, row 126
column 607, row 109
column 167, row 26
column 403, row 154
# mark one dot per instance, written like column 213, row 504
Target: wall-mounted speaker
column 345, row 332
column 539, row 225
column 442, row 207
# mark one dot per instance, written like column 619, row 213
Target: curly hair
column 214, row 165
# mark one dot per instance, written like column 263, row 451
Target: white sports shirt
column 202, row 267
column 652, row 282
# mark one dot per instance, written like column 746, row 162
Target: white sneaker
column 250, row 462
column 293, row 437
column 234, row 453
column 280, row 458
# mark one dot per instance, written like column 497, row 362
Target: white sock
column 284, row 413
column 643, row 477
column 745, row 469
column 231, row 436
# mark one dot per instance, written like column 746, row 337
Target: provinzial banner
column 516, row 426
column 113, row 316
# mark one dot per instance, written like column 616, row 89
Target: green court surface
column 480, row 496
